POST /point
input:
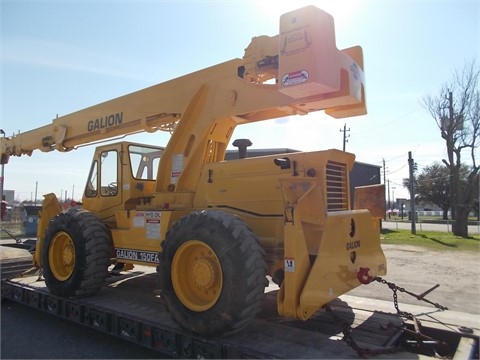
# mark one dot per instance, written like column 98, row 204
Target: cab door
column 103, row 193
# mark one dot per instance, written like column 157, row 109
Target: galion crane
column 216, row 230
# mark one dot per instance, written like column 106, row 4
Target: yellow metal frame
column 321, row 252
column 336, row 266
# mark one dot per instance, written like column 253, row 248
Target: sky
column 61, row 56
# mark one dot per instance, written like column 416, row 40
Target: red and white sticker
column 296, row 77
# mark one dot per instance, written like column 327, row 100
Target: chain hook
column 363, row 276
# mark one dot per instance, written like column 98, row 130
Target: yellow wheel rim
column 197, row 275
column 61, row 256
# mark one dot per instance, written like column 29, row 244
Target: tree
column 456, row 111
column 433, row 186
column 476, row 202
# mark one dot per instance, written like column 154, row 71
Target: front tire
column 212, row 273
column 76, row 254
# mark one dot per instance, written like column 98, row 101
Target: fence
column 438, row 225
column 19, row 229
column 11, row 229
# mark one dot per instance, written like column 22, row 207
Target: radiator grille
column 336, row 186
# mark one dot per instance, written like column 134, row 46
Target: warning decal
column 296, row 77
column 289, row 265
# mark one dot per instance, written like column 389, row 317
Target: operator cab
column 122, row 175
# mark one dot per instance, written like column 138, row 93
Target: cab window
column 109, row 173
column 144, row 161
column 91, row 187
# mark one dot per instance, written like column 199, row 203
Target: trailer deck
column 130, row 307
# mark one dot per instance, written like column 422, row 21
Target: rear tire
column 76, row 254
column 212, row 273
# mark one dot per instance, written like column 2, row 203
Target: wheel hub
column 197, row 275
column 203, row 273
column 68, row 254
column 61, row 256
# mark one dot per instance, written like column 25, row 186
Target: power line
column 379, row 127
column 345, row 140
column 393, row 172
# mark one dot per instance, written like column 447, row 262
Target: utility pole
column 384, row 179
column 412, row 192
column 36, row 190
column 389, row 207
column 384, row 182
column 345, row 135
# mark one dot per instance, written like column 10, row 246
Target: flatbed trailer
column 130, row 308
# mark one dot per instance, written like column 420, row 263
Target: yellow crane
column 216, row 229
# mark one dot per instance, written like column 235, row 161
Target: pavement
column 10, row 251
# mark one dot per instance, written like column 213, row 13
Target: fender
column 50, row 208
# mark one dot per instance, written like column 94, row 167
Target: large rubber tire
column 212, row 273
column 76, row 254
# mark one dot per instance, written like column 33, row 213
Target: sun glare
column 341, row 10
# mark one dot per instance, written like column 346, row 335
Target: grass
column 432, row 240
